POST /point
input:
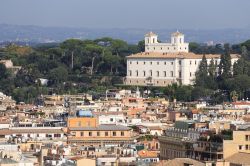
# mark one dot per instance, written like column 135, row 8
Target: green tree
column 202, row 73
column 141, row 45
column 58, row 75
column 3, row 72
column 241, row 67
column 225, row 63
column 212, row 68
column 244, row 53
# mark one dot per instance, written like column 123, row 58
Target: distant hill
column 38, row 34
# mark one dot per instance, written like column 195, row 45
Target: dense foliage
column 230, row 83
column 76, row 66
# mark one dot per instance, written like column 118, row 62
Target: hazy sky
column 179, row 14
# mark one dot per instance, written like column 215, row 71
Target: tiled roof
column 182, row 55
column 241, row 103
column 24, row 131
column 182, row 161
column 147, row 154
column 101, row 128
column 239, row 158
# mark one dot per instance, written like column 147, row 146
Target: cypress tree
column 225, row 63
column 202, row 72
column 212, row 68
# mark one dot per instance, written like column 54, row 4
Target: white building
column 166, row 63
column 177, row 43
column 112, row 119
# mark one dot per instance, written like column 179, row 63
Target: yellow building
column 80, row 161
column 239, row 144
column 86, row 131
column 82, row 122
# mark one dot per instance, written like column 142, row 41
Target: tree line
column 77, row 66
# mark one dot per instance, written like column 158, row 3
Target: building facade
column 166, row 63
column 86, row 131
column 239, row 144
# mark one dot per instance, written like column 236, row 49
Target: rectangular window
column 246, row 147
column 137, row 62
column 172, row 63
column 98, row 133
column 157, row 73
column 180, row 62
column 144, row 73
column 90, row 134
column 144, row 63
column 137, row 73
column 179, row 74
column 165, row 63
column 106, row 134
column 114, row 133
column 82, row 134
column 240, row 147
column 151, row 73
column 158, row 63
column 171, row 73
column 190, row 74
column 130, row 62
column 151, row 63
column 122, row 133
column 165, row 74
column 130, row 73
column 190, row 62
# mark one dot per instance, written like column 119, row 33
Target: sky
column 155, row 14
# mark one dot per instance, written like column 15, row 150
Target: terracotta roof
column 183, row 55
column 241, row 103
column 182, row 161
column 154, row 128
column 195, row 111
column 147, row 154
column 23, row 131
column 239, row 158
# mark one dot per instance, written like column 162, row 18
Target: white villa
column 166, row 63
